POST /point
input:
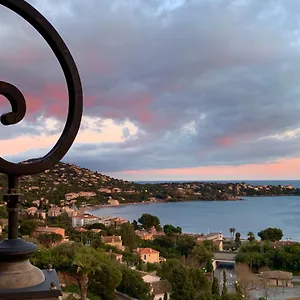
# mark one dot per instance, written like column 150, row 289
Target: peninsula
column 65, row 185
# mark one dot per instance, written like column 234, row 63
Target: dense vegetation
column 187, row 264
column 269, row 252
column 53, row 184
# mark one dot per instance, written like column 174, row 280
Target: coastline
column 99, row 206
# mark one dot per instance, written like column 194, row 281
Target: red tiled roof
column 111, row 239
column 146, row 251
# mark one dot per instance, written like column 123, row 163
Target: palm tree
column 86, row 260
column 251, row 237
column 233, row 232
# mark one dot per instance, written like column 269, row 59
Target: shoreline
column 99, row 206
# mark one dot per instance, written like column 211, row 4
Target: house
column 155, row 233
column 105, row 190
column 144, row 235
column 107, row 221
column 85, row 219
column 160, row 288
column 54, row 211
column 116, row 256
column 87, row 194
column 4, row 222
column 149, row 278
column 48, row 230
column 96, row 230
column 32, row 210
column 80, row 229
column 278, row 278
column 148, row 255
column 114, row 241
column 216, row 238
column 118, row 221
column 113, row 202
column 71, row 196
column 70, row 211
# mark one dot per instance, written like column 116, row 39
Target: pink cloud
column 22, row 57
column 284, row 168
column 225, row 141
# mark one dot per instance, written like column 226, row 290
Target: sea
column 251, row 214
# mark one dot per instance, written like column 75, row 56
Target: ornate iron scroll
column 15, row 250
column 15, row 97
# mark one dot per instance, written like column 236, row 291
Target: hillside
column 70, row 182
column 62, row 179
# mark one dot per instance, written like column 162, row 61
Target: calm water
column 252, row 214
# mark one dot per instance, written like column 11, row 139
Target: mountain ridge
column 66, row 181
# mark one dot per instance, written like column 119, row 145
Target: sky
column 173, row 89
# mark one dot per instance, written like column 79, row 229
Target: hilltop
column 66, row 182
column 62, row 179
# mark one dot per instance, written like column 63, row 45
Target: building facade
column 148, row 255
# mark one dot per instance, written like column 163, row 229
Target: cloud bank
column 173, row 85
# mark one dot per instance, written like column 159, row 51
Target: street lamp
column 19, row 279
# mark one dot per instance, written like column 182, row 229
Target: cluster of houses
column 88, row 219
column 147, row 255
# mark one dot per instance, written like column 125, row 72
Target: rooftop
column 146, row 251
column 111, row 239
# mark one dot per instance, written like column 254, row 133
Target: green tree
column 134, row 286
column 251, row 237
column 237, row 239
column 95, row 226
column 224, row 288
column 148, row 221
column 105, row 281
column 215, row 287
column 199, row 256
column 231, row 231
column 209, row 266
column 130, row 258
column 3, row 212
column 182, row 287
column 86, row 261
column 135, row 225
column 170, row 229
column 271, row 234
column 48, row 239
column 201, row 284
column 128, row 235
column 167, row 268
column 27, row 226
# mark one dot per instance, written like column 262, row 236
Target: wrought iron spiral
column 18, row 103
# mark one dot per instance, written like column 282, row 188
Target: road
column 230, row 274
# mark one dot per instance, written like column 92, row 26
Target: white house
column 82, row 220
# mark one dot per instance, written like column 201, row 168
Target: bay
column 251, row 214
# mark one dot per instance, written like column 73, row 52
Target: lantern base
column 48, row 289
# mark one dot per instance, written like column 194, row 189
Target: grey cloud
column 236, row 65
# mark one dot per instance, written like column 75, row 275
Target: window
column 145, row 256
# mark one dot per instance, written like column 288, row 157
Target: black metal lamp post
column 18, row 278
